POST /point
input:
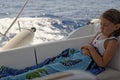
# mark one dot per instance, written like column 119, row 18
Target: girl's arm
column 107, row 55
column 85, row 48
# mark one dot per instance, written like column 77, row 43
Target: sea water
column 53, row 19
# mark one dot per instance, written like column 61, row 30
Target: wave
column 49, row 27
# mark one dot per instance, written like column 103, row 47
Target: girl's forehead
column 104, row 20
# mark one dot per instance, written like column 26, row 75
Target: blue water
column 71, row 12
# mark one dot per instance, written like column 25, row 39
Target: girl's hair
column 113, row 15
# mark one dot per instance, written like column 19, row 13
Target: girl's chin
column 102, row 31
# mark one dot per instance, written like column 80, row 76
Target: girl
column 106, row 40
column 101, row 50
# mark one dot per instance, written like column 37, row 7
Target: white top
column 99, row 43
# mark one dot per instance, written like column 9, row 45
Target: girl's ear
column 117, row 26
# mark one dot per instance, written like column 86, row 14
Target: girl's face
column 107, row 27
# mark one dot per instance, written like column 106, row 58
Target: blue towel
column 73, row 60
column 69, row 59
column 6, row 71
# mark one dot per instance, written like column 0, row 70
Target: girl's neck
column 102, row 36
column 107, row 35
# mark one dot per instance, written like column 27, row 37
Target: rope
column 16, row 18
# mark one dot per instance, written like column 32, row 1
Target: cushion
column 109, row 74
column 18, row 58
column 115, row 62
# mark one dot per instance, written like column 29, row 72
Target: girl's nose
column 102, row 27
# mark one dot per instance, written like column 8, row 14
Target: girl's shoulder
column 112, row 41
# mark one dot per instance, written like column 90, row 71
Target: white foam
column 45, row 30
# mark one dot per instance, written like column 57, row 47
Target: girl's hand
column 86, row 51
column 88, row 46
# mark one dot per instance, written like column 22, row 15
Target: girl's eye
column 104, row 24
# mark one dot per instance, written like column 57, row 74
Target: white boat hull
column 28, row 56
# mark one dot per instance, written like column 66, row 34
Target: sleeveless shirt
column 99, row 43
